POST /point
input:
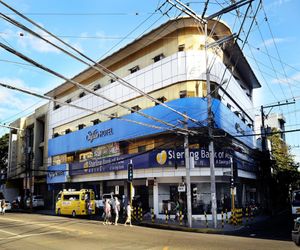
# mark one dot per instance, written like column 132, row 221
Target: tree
column 284, row 170
column 4, row 151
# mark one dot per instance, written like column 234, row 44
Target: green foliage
column 4, row 151
column 285, row 174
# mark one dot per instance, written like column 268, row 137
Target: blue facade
column 118, row 130
column 58, row 174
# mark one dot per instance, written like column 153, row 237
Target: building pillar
column 101, row 189
column 155, row 198
column 244, row 195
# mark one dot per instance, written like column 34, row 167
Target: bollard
column 180, row 218
column 226, row 215
column 251, row 214
column 205, row 215
column 222, row 219
column 166, row 212
column 141, row 218
column 152, row 215
column 234, row 217
column 246, row 215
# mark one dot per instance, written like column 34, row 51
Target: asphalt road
column 34, row 231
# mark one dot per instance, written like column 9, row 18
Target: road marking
column 29, row 235
column 48, row 225
column 7, row 232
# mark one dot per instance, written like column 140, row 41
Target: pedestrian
column 177, row 210
column 169, row 209
column 128, row 211
column 117, row 210
column 108, row 212
column 3, row 205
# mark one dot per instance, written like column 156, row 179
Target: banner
column 156, row 158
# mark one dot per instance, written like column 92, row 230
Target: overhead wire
column 78, row 107
column 97, row 66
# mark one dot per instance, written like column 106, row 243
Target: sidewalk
column 197, row 225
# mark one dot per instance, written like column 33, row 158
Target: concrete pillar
column 155, row 198
column 101, row 189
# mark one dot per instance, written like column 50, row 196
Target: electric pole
column 188, row 177
column 266, row 175
column 210, row 138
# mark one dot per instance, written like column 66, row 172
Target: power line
column 102, row 69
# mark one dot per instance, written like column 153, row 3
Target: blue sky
column 100, row 27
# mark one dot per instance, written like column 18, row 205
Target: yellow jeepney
column 72, row 202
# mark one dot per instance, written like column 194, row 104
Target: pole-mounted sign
column 130, row 171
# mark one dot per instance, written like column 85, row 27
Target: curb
column 182, row 228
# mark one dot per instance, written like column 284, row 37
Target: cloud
column 288, row 80
column 280, row 2
column 270, row 42
column 31, row 42
column 12, row 101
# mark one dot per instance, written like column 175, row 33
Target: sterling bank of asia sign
column 156, row 158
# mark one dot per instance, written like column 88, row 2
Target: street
column 34, row 231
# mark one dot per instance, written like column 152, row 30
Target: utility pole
column 210, row 138
column 204, row 21
column 266, row 176
column 188, row 177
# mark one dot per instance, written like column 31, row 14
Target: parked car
column 296, row 232
column 37, row 201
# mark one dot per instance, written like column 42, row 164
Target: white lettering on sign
column 197, row 155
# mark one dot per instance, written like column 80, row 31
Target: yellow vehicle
column 71, row 202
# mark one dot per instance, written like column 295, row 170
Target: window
column 82, row 94
column 158, row 57
column 81, row 126
column 67, row 131
column 141, row 149
column 181, row 47
column 96, row 87
column 56, row 106
column 182, row 94
column 112, row 80
column 237, row 113
column 96, row 121
column 161, row 99
column 134, row 69
column 69, row 100
column 114, row 115
column 228, row 106
column 55, row 135
column 135, row 108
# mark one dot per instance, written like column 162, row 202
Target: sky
column 98, row 28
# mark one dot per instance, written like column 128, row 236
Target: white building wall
column 181, row 66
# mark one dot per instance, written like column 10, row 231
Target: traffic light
column 232, row 182
column 130, row 172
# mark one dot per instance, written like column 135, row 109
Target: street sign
column 117, row 189
column 181, row 188
column 130, row 171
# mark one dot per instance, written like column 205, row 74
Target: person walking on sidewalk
column 107, row 211
column 128, row 211
column 2, row 206
column 117, row 210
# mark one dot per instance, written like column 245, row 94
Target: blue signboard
column 118, row 130
column 156, row 158
column 58, row 174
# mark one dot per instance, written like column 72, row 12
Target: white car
column 37, row 201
